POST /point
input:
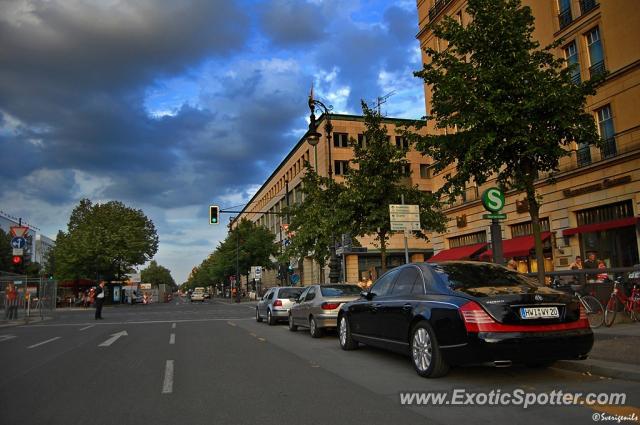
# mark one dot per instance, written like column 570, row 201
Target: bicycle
column 593, row 308
column 618, row 298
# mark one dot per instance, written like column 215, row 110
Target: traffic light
column 16, row 259
column 214, row 214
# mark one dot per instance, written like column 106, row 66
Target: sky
column 170, row 106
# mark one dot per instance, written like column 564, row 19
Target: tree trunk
column 383, row 253
column 534, row 211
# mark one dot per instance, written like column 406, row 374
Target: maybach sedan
column 458, row 313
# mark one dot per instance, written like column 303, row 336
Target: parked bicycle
column 593, row 308
column 619, row 300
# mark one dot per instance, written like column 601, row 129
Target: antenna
column 383, row 99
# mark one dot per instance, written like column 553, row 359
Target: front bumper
column 520, row 347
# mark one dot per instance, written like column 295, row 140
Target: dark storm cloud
column 73, row 76
column 292, row 22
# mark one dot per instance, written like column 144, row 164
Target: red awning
column 460, row 253
column 518, row 247
column 598, row 227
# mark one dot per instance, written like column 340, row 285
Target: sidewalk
column 615, row 353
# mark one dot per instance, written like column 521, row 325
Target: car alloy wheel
column 422, row 349
column 315, row 331
column 425, row 352
column 344, row 335
column 258, row 318
column 270, row 319
column 292, row 327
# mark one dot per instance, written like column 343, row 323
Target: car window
column 339, row 290
column 405, row 281
column 311, row 294
column 271, row 294
column 303, row 294
column 382, row 285
column 286, row 293
column 418, row 285
column 484, row 279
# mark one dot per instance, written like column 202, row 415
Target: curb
column 601, row 368
column 22, row 322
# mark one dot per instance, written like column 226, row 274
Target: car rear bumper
column 520, row 347
column 327, row 320
column 280, row 314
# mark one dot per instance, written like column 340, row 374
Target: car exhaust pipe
column 502, row 363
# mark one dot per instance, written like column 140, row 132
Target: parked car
column 317, row 307
column 456, row 313
column 276, row 302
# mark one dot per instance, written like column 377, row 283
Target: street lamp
column 313, row 138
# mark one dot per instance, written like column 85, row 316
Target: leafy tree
column 6, row 252
column 157, row 275
column 377, row 180
column 516, row 110
column 104, row 241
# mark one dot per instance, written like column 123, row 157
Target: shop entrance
column 617, row 247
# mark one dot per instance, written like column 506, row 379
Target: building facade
column 265, row 206
column 593, row 203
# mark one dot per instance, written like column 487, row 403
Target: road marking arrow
column 113, row 338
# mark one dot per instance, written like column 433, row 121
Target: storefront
column 609, row 232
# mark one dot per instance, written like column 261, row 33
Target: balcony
column 565, row 18
column 583, row 156
column 609, row 148
column 575, row 78
column 438, row 6
column 587, row 5
column 597, row 68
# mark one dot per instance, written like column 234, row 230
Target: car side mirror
column 366, row 295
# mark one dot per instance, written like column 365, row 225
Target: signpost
column 493, row 201
column 406, row 218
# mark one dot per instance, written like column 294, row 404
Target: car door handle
column 407, row 307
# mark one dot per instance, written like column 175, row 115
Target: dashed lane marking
column 172, row 339
column 6, row 337
column 173, row 325
column 141, row 322
column 231, row 323
column 43, row 342
column 86, row 327
column 167, row 385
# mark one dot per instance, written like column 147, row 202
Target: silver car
column 317, row 307
column 275, row 304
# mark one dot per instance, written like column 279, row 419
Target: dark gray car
column 317, row 307
column 276, row 302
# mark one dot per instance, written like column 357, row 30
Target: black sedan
column 457, row 313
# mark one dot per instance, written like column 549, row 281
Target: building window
column 459, row 17
column 341, row 167
column 596, row 53
column 525, row 229
column 564, row 15
column 402, row 143
column 587, row 5
column 605, row 213
column 406, row 170
column 571, row 56
column 470, row 239
column 425, row 171
column 362, row 140
column 341, row 140
column 583, row 155
column 607, row 132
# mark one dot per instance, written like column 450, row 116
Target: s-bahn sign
column 493, row 199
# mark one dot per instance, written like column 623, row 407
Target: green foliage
column 255, row 247
column 104, row 241
column 158, row 275
column 6, row 252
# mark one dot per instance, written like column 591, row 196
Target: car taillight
column 475, row 318
column 277, row 303
column 583, row 313
column 330, row 306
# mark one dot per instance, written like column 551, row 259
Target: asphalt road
column 212, row 363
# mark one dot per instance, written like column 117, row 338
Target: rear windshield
column 339, row 290
column 484, row 279
column 289, row 293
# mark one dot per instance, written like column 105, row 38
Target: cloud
column 292, row 23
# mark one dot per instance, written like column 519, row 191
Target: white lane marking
column 86, row 327
column 6, row 337
column 43, row 342
column 173, row 325
column 114, row 338
column 167, row 385
column 144, row 322
column 172, row 339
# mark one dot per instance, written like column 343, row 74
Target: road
column 212, row 363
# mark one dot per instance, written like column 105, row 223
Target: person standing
column 591, row 262
column 11, row 302
column 100, row 293
column 512, row 265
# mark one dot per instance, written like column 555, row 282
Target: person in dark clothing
column 100, row 294
column 591, row 262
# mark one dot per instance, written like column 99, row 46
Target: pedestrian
column 100, row 293
column 601, row 277
column 576, row 265
column 512, row 265
column 591, row 262
column 11, row 302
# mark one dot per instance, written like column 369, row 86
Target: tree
column 378, row 179
column 6, row 253
column 104, row 241
column 515, row 108
column 157, row 275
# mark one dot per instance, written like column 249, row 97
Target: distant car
column 207, row 296
column 460, row 312
column 317, row 307
column 197, row 296
column 276, row 302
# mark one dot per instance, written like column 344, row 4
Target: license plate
column 539, row 312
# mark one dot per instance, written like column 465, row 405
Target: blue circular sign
column 295, row 278
column 18, row 243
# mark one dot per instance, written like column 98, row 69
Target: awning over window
column 518, row 247
column 460, row 253
column 605, row 225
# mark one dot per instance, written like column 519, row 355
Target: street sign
column 145, row 286
column 18, row 242
column 295, row 278
column 404, row 216
column 405, row 225
column 19, row 231
column 258, row 272
column 18, row 251
column 493, row 199
column 496, row 216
